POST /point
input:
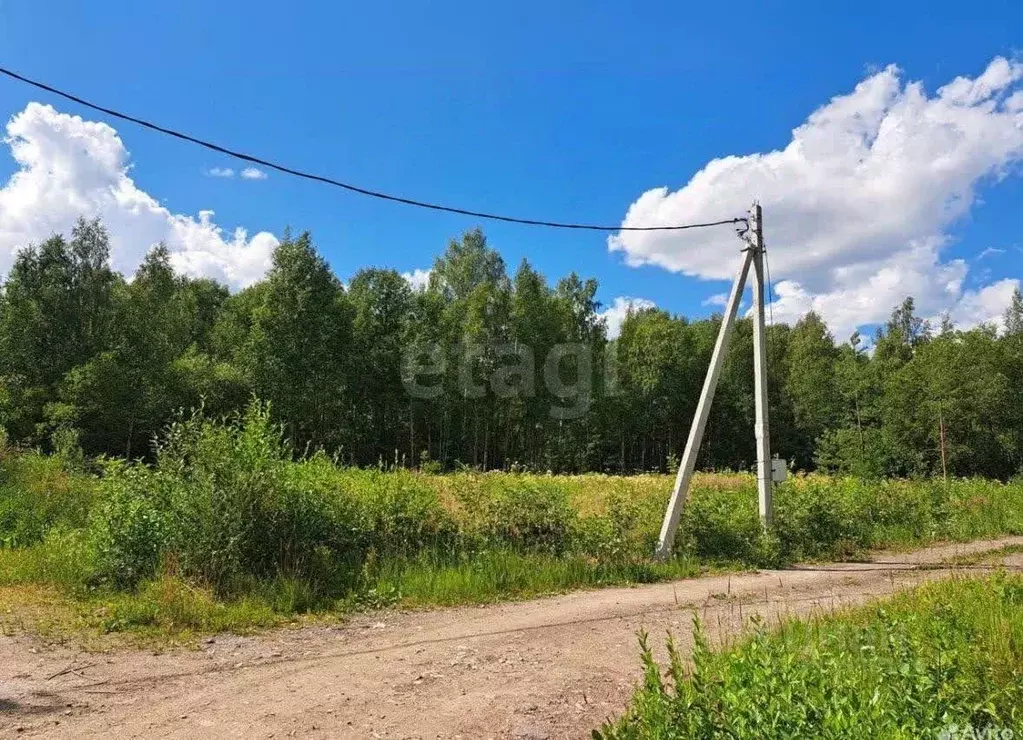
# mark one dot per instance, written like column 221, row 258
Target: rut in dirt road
column 549, row 668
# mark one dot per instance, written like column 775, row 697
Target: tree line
column 91, row 358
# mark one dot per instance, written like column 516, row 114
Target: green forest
column 485, row 368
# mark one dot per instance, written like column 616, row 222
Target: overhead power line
column 348, row 186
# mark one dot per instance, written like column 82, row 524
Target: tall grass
column 226, row 509
column 38, row 492
column 946, row 655
column 492, row 575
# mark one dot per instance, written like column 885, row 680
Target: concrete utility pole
column 763, row 429
column 753, row 255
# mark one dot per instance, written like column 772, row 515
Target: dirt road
column 553, row 667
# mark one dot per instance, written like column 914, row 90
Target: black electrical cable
column 347, row 186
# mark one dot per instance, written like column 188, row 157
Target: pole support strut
column 753, row 255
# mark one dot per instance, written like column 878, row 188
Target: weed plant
column 227, row 510
column 945, row 655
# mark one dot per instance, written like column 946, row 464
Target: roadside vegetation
column 227, row 529
column 361, row 479
column 944, row 658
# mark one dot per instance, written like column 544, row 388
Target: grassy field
column 944, row 657
column 226, row 531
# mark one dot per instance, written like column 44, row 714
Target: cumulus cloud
column 69, row 167
column 984, row 306
column 614, row 315
column 718, row 299
column 418, row 279
column 858, row 205
column 253, row 173
column 220, row 172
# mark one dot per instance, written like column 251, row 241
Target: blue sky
column 564, row 110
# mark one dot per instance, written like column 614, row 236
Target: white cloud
column 718, row 299
column 858, row 205
column 615, row 314
column 418, row 279
column 249, row 173
column 984, row 306
column 990, row 252
column 69, row 167
column 253, row 173
column 873, row 289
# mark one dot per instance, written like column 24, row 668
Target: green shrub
column 405, row 515
column 975, row 507
column 898, row 511
column 722, row 524
column 528, row 513
column 39, row 492
column 617, row 534
column 816, row 518
column 225, row 507
column 946, row 654
column 223, row 504
column 223, row 480
column 133, row 525
column 306, row 531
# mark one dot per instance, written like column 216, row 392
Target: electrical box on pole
column 753, row 256
column 779, row 470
